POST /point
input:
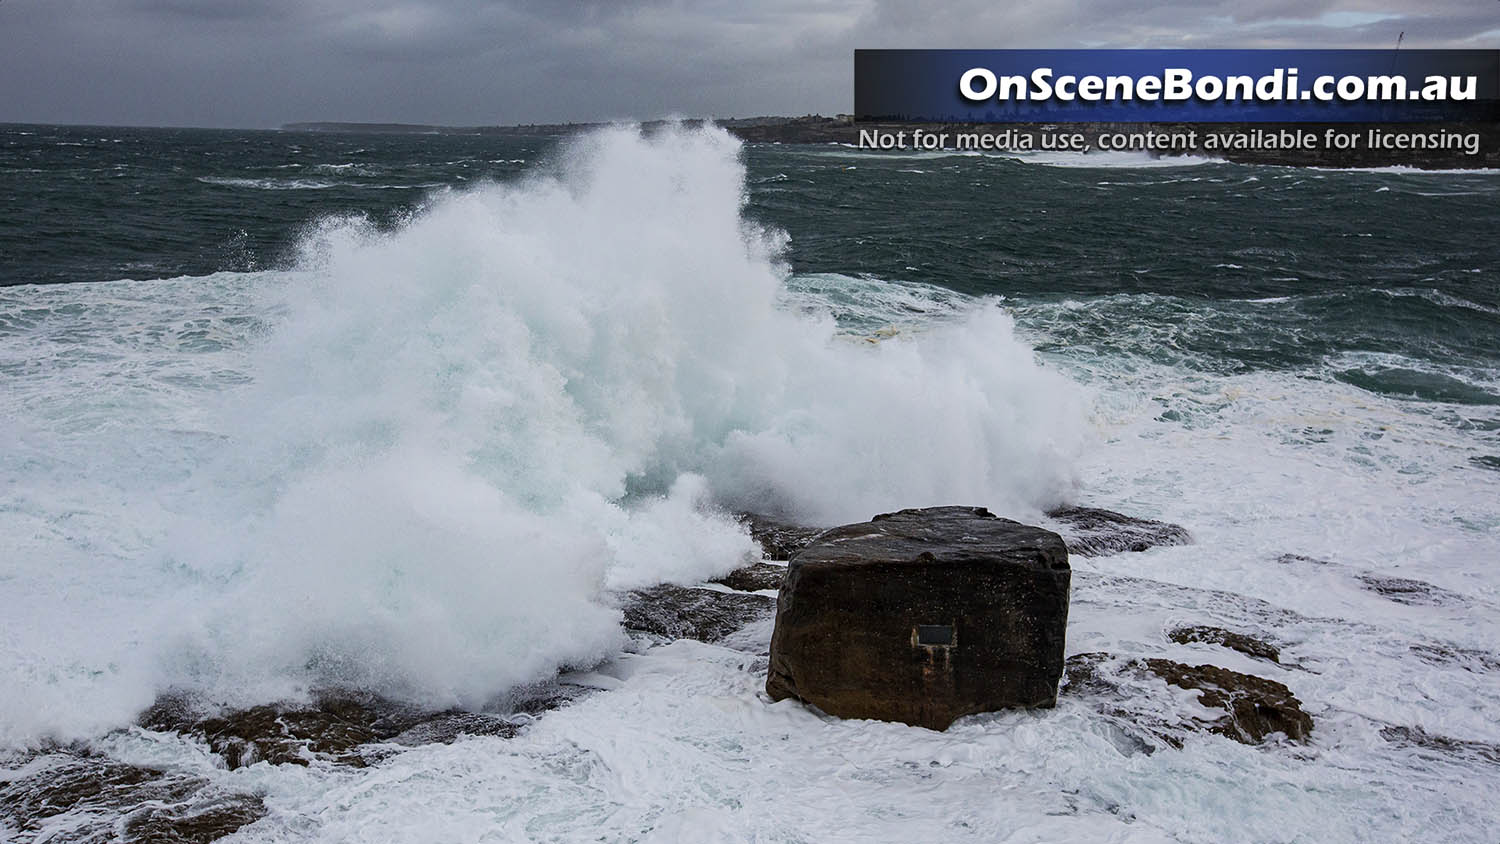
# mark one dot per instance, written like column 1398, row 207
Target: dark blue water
column 1382, row 263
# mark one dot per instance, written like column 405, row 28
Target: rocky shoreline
column 1141, row 696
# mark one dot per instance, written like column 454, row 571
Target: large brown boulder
column 923, row 616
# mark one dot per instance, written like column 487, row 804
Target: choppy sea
column 400, row 413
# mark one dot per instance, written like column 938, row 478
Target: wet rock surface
column 1487, row 461
column 1401, row 590
column 684, row 612
column 1092, row 532
column 280, row 735
column 1249, row 709
column 1245, row 644
column 445, row 729
column 923, row 616
column 1257, row 707
column 1404, row 590
column 1293, row 559
column 1469, row 659
column 1416, row 737
column 71, row 794
column 328, row 729
column 335, row 726
column 779, row 539
column 754, row 578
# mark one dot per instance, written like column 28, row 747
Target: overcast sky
column 261, row 63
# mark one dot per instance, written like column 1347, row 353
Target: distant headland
column 1425, row 145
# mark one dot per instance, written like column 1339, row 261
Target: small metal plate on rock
column 935, row 634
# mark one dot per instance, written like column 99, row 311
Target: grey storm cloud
column 266, row 62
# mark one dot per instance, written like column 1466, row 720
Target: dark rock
column 1113, row 687
column 754, row 578
column 1412, row 592
column 541, row 697
column 780, row 540
column 445, row 729
column 681, row 612
column 283, row 735
column 1247, row 645
column 1289, row 559
column 1469, row 659
column 328, row 728
column 1083, row 675
column 923, row 616
column 1474, row 751
column 99, row 799
column 1095, row 533
column 335, row 726
column 207, row 818
column 171, row 712
column 1124, row 689
column 1256, row 707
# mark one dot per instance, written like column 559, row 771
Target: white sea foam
column 1408, row 170
column 1111, row 159
column 686, row 747
column 306, row 184
column 415, row 464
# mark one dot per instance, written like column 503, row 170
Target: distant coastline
column 818, row 129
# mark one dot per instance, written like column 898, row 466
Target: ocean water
column 400, row 413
